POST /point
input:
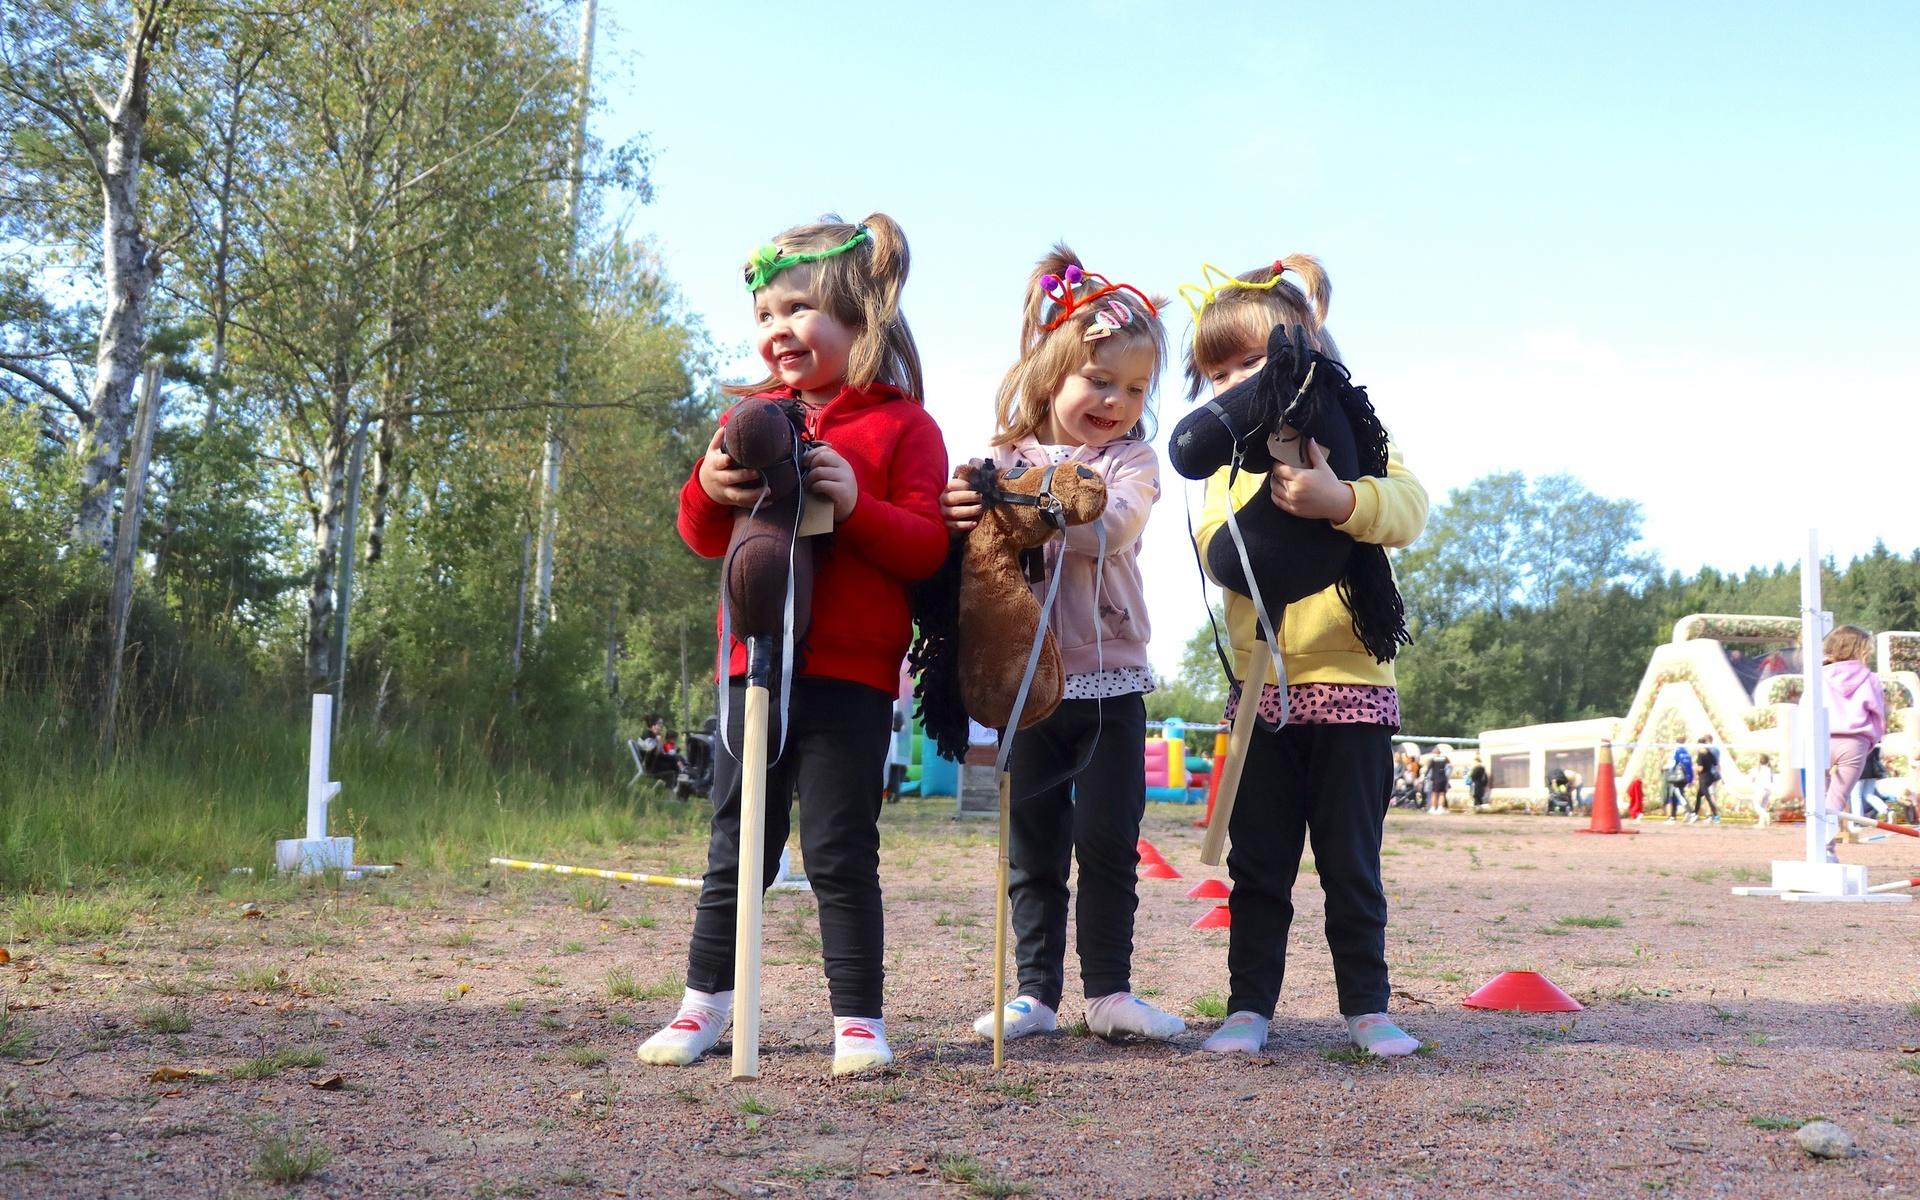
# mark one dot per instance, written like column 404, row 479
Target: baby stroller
column 1406, row 794
column 695, row 777
column 1559, row 792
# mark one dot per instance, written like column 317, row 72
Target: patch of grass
column 516, row 1005
column 1909, row 1063
column 1756, row 1038
column 1704, row 875
column 289, row 1159
column 280, row 1060
column 260, row 979
column 643, row 921
column 1913, row 1008
column 455, row 941
column 1015, row 1091
column 589, row 897
column 572, row 1177
column 545, row 977
column 753, row 1106
column 65, row 919
column 1352, row 1055
column 621, row 1018
column 16, row 1040
column 1448, row 976
column 1551, row 931
column 1213, row 1006
column 1602, row 922
column 164, row 1018
column 551, row 1022
column 947, row 920
column 584, row 1056
column 1772, row 1123
column 621, row 985
column 1725, row 1014
column 573, row 948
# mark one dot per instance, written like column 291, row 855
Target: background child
column 827, row 305
column 1763, row 792
column 1856, row 713
column 1090, row 356
column 1326, row 774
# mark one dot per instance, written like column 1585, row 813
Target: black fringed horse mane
column 1299, row 394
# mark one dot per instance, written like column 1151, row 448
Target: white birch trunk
column 130, row 263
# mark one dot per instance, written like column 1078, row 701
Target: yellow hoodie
column 1316, row 635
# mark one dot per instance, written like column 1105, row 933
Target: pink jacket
column 1118, row 637
column 1856, row 703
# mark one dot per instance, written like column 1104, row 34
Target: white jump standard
column 1814, row 879
column 316, row 852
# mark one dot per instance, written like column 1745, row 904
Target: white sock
column 1241, row 1033
column 693, row 1030
column 1377, row 1034
column 1123, row 1014
column 860, row 1044
column 1025, row 1015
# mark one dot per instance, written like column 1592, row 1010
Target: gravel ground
column 474, row 1037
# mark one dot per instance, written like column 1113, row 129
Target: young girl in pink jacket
column 1856, row 713
column 1090, row 355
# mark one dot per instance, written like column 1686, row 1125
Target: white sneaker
column 1024, row 1015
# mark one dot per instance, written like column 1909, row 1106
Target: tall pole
column 1813, row 633
column 349, row 527
column 550, row 458
column 126, row 546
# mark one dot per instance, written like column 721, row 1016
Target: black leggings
column 835, row 757
column 1094, row 817
column 1704, row 795
column 1327, row 783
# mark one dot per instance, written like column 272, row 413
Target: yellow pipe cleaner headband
column 1213, row 281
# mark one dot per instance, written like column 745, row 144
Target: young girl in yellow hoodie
column 1326, row 773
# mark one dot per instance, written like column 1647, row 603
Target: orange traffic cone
column 1148, row 855
column 1213, row 777
column 1606, row 814
column 1522, row 991
column 1209, row 889
column 1158, row 870
column 1218, row 917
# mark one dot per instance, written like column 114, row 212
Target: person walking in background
column 1439, row 769
column 1762, row 777
column 1706, row 767
column 1679, row 775
column 1479, row 784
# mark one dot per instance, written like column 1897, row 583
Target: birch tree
column 78, row 75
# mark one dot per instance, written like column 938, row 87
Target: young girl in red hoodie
column 826, row 301
column 1090, row 354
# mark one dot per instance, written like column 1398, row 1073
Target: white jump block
column 1817, row 898
column 310, row 856
column 1801, row 881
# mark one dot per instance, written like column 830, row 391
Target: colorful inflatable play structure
column 1734, row 677
column 1174, row 773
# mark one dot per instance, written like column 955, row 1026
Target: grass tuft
column 289, row 1159
column 1604, row 922
column 1212, row 1006
column 164, row 1018
column 278, row 1061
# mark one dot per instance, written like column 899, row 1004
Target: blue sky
column 1670, row 249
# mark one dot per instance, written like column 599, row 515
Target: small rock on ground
column 1824, row 1139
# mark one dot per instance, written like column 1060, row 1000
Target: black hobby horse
column 1298, row 394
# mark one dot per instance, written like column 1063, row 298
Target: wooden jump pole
column 1258, row 664
column 750, row 905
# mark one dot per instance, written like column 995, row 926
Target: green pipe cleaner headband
column 767, row 261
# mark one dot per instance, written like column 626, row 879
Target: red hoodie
column 893, row 537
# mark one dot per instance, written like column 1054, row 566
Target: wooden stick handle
column 1258, row 664
column 751, row 898
column 1000, row 928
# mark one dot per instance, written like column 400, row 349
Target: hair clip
column 1107, row 320
column 1213, row 281
column 766, row 262
column 1074, row 289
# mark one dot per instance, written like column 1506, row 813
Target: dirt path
column 482, row 1029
